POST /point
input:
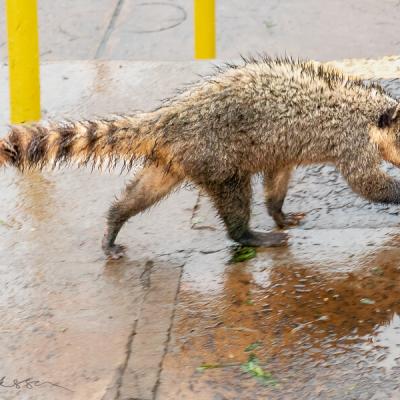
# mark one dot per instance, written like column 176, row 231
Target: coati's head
column 386, row 134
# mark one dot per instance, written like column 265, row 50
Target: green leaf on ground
column 4, row 223
column 197, row 220
column 377, row 271
column 253, row 368
column 203, row 367
column 252, row 346
column 249, row 300
column 206, row 366
column 269, row 24
column 244, row 254
column 367, row 301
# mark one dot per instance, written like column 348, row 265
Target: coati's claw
column 112, row 251
column 263, row 239
column 115, row 251
column 290, row 219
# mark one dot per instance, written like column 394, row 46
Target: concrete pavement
column 162, row 30
column 58, row 324
column 175, row 319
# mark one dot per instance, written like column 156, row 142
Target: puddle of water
column 325, row 327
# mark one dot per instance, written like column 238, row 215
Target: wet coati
column 262, row 116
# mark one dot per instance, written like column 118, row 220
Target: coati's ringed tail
column 126, row 139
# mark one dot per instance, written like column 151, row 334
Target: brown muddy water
column 317, row 320
column 323, row 327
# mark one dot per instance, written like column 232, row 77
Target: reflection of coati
column 266, row 116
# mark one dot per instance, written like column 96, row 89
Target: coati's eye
column 388, row 116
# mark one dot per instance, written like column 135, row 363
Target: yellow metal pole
column 23, row 59
column 204, row 29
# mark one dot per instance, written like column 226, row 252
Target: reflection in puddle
column 325, row 330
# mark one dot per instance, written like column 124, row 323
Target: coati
column 263, row 116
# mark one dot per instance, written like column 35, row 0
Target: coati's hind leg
column 150, row 185
column 275, row 189
column 232, row 199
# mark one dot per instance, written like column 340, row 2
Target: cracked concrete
column 148, row 349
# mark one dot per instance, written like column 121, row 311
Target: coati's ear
column 389, row 116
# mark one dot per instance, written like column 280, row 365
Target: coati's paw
column 290, row 219
column 286, row 220
column 263, row 239
column 115, row 251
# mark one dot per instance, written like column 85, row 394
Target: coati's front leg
column 150, row 185
column 372, row 183
column 232, row 199
column 275, row 189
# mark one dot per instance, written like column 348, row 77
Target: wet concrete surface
column 68, row 316
column 322, row 317
column 163, row 30
column 310, row 319
column 316, row 320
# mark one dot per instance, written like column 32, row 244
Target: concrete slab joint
column 146, row 347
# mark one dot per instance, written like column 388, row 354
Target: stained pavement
column 321, row 317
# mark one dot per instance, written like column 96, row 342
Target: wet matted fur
column 263, row 116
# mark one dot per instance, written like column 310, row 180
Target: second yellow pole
column 204, row 29
column 23, row 59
